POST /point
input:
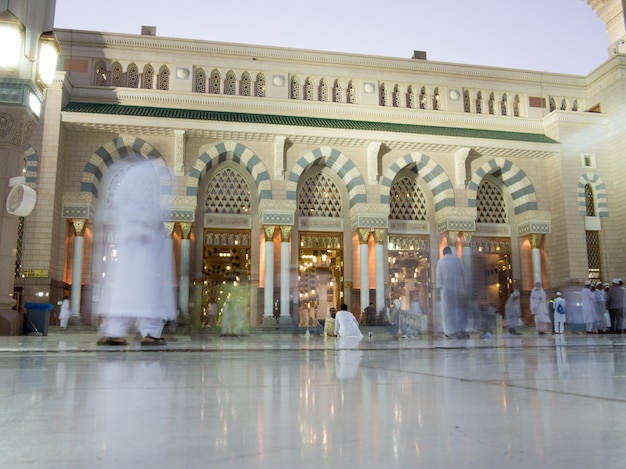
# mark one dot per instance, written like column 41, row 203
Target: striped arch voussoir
column 433, row 174
column 237, row 153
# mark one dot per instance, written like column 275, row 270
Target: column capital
column 79, row 226
column 169, row 228
column 185, row 229
column 285, row 233
column 535, row 240
column 269, row 232
column 466, row 237
column 451, row 237
column 364, row 235
column 379, row 235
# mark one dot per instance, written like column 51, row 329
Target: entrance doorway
column 409, row 273
column 491, row 278
column 320, row 276
column 226, row 265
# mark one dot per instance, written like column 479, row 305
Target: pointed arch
column 338, row 162
column 164, row 78
column 132, row 76
column 238, row 153
column 435, row 177
column 514, row 179
column 117, row 149
column 147, row 81
column 117, row 75
column 599, row 192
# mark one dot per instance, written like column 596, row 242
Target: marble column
column 185, row 263
column 379, row 237
column 466, row 238
column 535, row 245
column 268, row 307
column 285, row 278
column 364, row 234
column 169, row 250
column 77, row 270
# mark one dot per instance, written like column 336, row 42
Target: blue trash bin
column 39, row 314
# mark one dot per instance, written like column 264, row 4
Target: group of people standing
column 603, row 307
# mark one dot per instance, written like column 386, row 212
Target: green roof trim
column 251, row 118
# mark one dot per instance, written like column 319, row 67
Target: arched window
column 215, row 82
column 294, row 88
column 411, row 100
column 323, row 91
column 164, row 78
column 516, row 106
column 575, row 105
column 246, row 84
column 147, row 77
column 102, row 74
column 436, row 100
column 230, row 84
column 479, row 102
column 260, row 85
column 552, row 104
column 563, row 105
column 491, row 105
column 200, row 81
column 117, row 75
column 227, row 192
column 382, row 95
column 319, row 197
column 407, row 201
column 490, row 205
column 132, row 76
column 351, row 93
column 397, row 96
column 466, row 101
column 423, row 98
column 309, row 94
column 504, row 104
column 338, row 92
column 594, row 258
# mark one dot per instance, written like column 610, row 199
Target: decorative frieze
column 320, row 224
column 78, row 205
column 533, row 221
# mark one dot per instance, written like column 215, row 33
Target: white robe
column 589, row 305
column 539, row 306
column 346, row 325
column 140, row 282
column 450, row 273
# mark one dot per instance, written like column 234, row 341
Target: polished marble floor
column 294, row 401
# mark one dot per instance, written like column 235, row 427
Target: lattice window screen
column 490, row 204
column 407, row 201
column 319, row 197
column 227, row 192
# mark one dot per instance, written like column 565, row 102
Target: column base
column 285, row 320
column 269, row 321
column 74, row 321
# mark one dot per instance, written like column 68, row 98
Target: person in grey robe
column 449, row 275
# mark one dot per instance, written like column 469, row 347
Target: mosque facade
column 306, row 179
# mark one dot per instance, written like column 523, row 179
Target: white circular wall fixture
column 21, row 200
